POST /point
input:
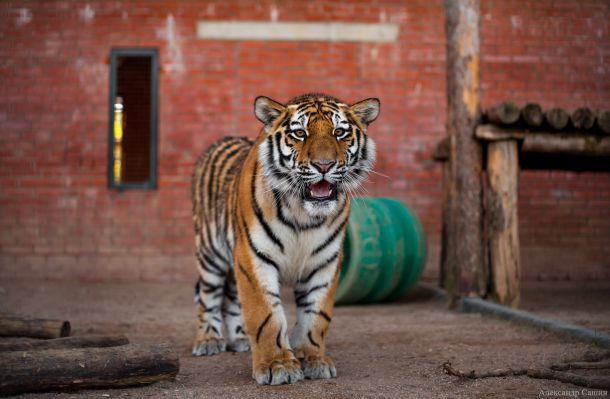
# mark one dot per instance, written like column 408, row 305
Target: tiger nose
column 323, row 165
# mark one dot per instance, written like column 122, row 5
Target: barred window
column 133, row 119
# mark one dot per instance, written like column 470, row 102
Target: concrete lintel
column 298, row 31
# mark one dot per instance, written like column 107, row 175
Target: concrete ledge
column 477, row 305
column 298, row 31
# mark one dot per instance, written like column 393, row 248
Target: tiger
column 273, row 211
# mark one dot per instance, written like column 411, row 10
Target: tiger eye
column 339, row 131
column 299, row 133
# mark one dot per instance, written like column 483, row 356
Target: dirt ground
column 381, row 351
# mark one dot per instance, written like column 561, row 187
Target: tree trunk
column 71, row 369
column 463, row 239
column 35, row 328
column 502, row 222
column 85, row 341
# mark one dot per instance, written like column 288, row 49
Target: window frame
column 153, row 53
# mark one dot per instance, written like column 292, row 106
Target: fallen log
column 84, row 341
column 505, row 113
column 532, row 115
column 556, row 118
column 34, row 328
column 71, row 369
column 582, row 118
column 603, row 121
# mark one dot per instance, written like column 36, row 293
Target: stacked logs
column 63, row 362
column 533, row 117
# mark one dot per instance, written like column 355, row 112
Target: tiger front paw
column 278, row 372
column 317, row 367
column 208, row 346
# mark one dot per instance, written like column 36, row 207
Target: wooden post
column 462, row 254
column 502, row 222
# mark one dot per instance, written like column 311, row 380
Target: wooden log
column 556, row 118
column 603, row 121
column 582, row 118
column 463, row 242
column 441, row 151
column 35, row 328
column 84, row 341
column 70, row 369
column 505, row 113
column 532, row 115
column 502, row 222
column 549, row 143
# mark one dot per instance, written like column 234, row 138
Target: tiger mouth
column 321, row 191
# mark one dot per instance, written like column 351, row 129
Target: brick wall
column 58, row 219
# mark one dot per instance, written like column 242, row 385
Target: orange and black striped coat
column 274, row 211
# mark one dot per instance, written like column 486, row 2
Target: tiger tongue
column 322, row 189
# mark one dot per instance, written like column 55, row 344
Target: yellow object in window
column 118, row 138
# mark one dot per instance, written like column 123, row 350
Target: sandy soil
column 381, row 351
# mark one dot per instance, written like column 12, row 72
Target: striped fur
column 274, row 211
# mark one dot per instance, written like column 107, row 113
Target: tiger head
column 315, row 148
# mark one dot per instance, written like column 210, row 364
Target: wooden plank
column 462, row 244
column 493, row 133
column 70, row 369
column 35, row 328
column 502, row 222
column 84, row 341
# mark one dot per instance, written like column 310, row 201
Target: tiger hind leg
column 231, row 310
column 209, row 292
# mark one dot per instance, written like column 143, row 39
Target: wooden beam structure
column 462, row 263
column 565, row 143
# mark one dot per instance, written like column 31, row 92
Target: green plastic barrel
column 384, row 252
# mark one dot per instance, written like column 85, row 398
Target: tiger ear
column 267, row 110
column 367, row 110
